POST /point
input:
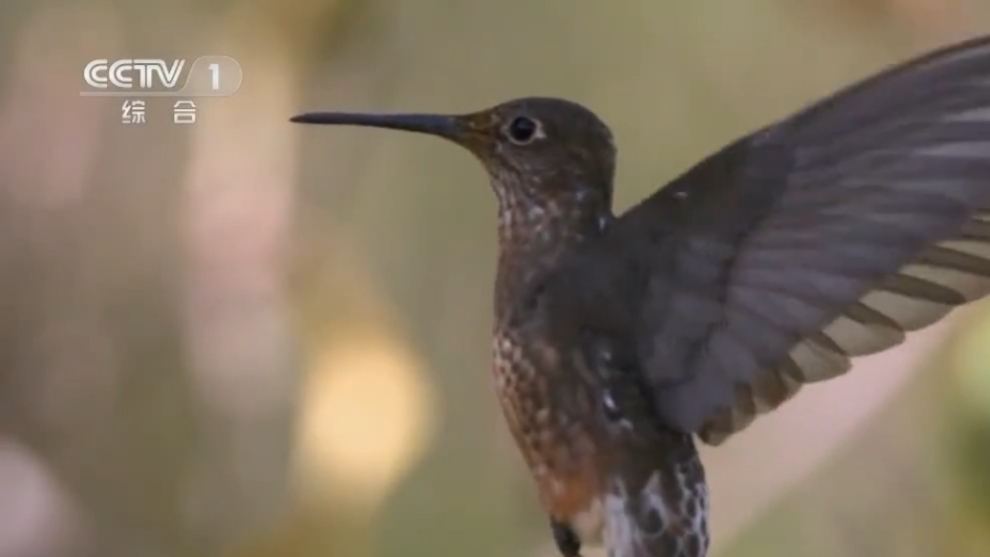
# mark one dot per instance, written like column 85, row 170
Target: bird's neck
column 535, row 236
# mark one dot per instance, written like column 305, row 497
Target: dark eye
column 522, row 129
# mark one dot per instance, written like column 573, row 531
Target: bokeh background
column 247, row 338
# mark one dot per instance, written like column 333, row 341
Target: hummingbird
column 621, row 341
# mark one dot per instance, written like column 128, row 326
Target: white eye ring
column 523, row 130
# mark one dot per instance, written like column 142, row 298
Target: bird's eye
column 522, row 130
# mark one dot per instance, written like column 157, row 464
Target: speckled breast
column 548, row 413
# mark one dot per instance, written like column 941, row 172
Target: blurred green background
column 247, row 338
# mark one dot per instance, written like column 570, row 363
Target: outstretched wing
column 826, row 236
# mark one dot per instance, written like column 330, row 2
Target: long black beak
column 449, row 127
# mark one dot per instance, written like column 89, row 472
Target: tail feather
column 663, row 515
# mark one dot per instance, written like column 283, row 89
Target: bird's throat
column 535, row 237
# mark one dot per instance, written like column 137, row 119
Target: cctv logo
column 122, row 74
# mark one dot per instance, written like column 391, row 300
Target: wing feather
column 827, row 236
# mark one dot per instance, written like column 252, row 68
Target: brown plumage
column 767, row 266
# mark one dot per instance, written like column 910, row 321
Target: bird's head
column 539, row 152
